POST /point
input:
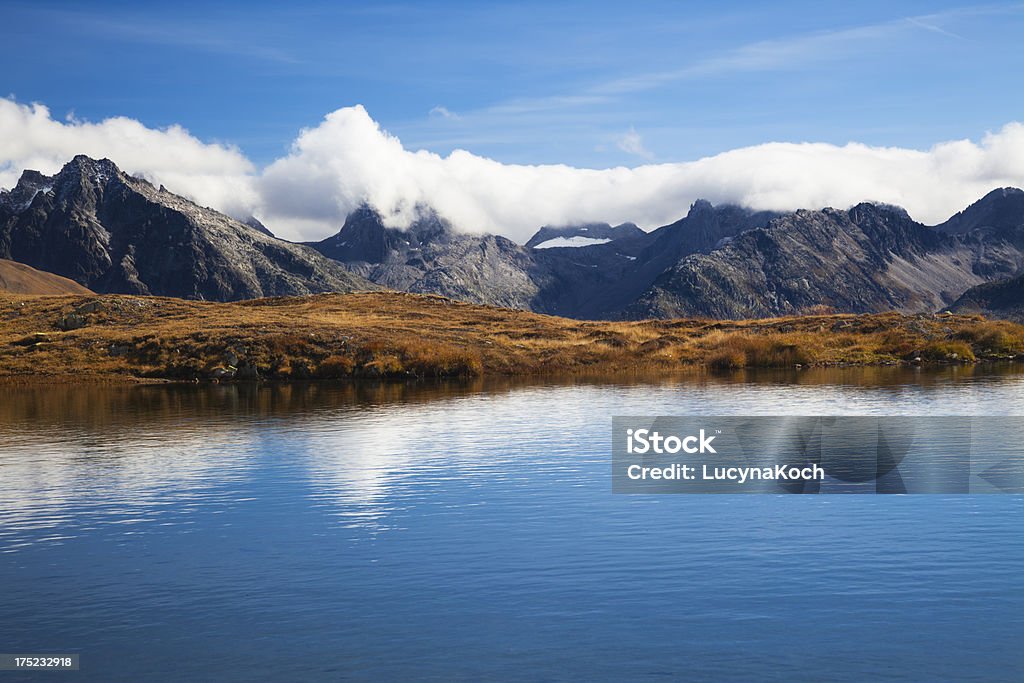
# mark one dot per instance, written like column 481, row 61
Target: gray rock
column 72, row 321
column 118, row 350
column 90, row 307
column 220, row 373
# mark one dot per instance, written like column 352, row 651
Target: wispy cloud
column 213, row 39
column 444, row 113
column 934, row 28
column 529, row 105
column 790, row 52
column 631, row 142
column 785, row 53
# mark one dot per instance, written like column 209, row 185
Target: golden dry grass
column 392, row 334
column 17, row 278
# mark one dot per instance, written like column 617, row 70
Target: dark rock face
column 113, row 233
column 598, row 231
column 870, row 258
column 999, row 299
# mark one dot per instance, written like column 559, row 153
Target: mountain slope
column 870, row 258
column 1000, row 299
column 111, row 232
column 17, row 278
column 999, row 212
column 593, row 281
column 430, row 256
column 704, row 228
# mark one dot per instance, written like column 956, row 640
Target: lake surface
column 469, row 532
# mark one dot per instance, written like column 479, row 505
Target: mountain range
column 112, row 232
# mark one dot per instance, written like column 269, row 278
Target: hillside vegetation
column 17, row 278
column 393, row 334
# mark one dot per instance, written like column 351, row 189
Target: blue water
column 469, row 533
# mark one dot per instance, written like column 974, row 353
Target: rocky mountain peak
column 30, row 178
column 365, row 238
column 96, row 171
column 701, row 207
column 364, row 213
column 362, row 237
column 1001, row 211
column 704, row 228
column 79, row 182
column 878, row 210
column 24, row 193
column 1001, row 193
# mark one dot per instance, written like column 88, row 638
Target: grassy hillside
column 17, row 278
column 392, row 334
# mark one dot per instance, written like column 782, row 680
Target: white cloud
column 632, row 143
column 348, row 159
column 213, row 175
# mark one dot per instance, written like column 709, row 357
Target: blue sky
column 593, row 84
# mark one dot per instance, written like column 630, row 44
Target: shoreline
column 399, row 336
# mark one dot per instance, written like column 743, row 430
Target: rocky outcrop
column 111, row 232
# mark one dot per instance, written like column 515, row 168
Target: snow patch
column 577, row 241
column 46, row 189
